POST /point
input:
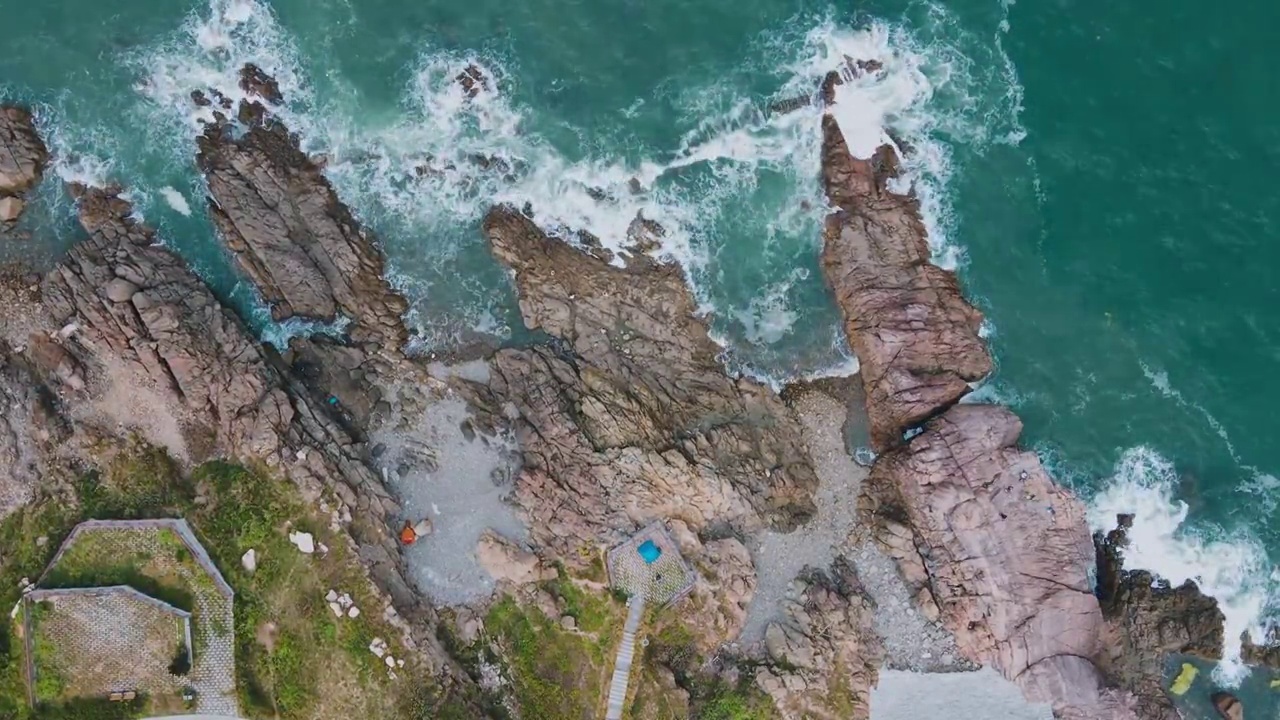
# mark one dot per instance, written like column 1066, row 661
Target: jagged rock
column 824, row 656
column 723, row 590
column 628, row 416
column 473, row 81
column 913, row 332
column 23, row 154
column 1005, row 552
column 292, row 236
column 1148, row 619
column 249, row 561
column 54, row 361
column 174, row 332
column 1228, row 706
column 506, row 562
column 255, row 81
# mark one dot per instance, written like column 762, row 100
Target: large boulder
column 23, row 154
column 915, row 336
column 628, row 416
column 999, row 550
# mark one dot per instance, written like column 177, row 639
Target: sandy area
column 976, row 694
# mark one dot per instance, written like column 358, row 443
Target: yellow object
column 1182, row 683
column 1275, row 684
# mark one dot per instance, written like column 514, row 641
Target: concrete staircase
column 622, row 664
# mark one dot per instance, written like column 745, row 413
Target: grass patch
column 309, row 665
column 557, row 674
column 295, row 659
column 672, row 647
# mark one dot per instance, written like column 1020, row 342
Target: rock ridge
column 626, row 415
column 987, row 542
column 915, row 336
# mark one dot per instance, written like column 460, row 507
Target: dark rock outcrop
column 628, row 415
column 1228, row 706
column 291, row 234
column 913, row 332
column 1147, row 621
column 23, row 157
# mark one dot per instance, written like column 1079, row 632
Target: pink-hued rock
column 1007, row 551
column 913, row 332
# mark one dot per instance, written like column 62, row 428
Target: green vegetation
column 672, row 650
column 155, row 562
column 295, row 659
column 555, row 674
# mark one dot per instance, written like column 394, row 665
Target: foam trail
column 1159, row 380
column 175, row 200
column 1233, row 568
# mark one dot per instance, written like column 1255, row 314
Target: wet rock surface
column 23, row 156
column 289, row 231
column 913, row 332
column 627, row 415
column 1148, row 620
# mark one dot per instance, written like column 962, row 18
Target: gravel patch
column 902, row 695
column 834, row 423
column 444, row 470
column 779, row 557
column 911, row 641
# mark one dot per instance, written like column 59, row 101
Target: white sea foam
column 176, row 200
column 1231, row 566
column 1159, row 380
column 441, row 163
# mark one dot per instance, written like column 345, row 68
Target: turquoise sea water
column 1097, row 171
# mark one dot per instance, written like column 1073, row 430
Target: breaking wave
column 737, row 178
column 1230, row 565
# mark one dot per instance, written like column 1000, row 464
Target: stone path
column 622, row 665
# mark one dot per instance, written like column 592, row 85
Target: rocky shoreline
column 623, row 417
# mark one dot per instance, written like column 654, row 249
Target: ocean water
column 1097, row 173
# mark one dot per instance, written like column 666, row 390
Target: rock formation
column 129, row 303
column 725, row 586
column 508, row 563
column 913, row 332
column 628, row 415
column 29, row 424
column 988, row 543
column 825, row 653
column 288, row 230
column 22, row 159
column 1003, row 553
column 1148, row 619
